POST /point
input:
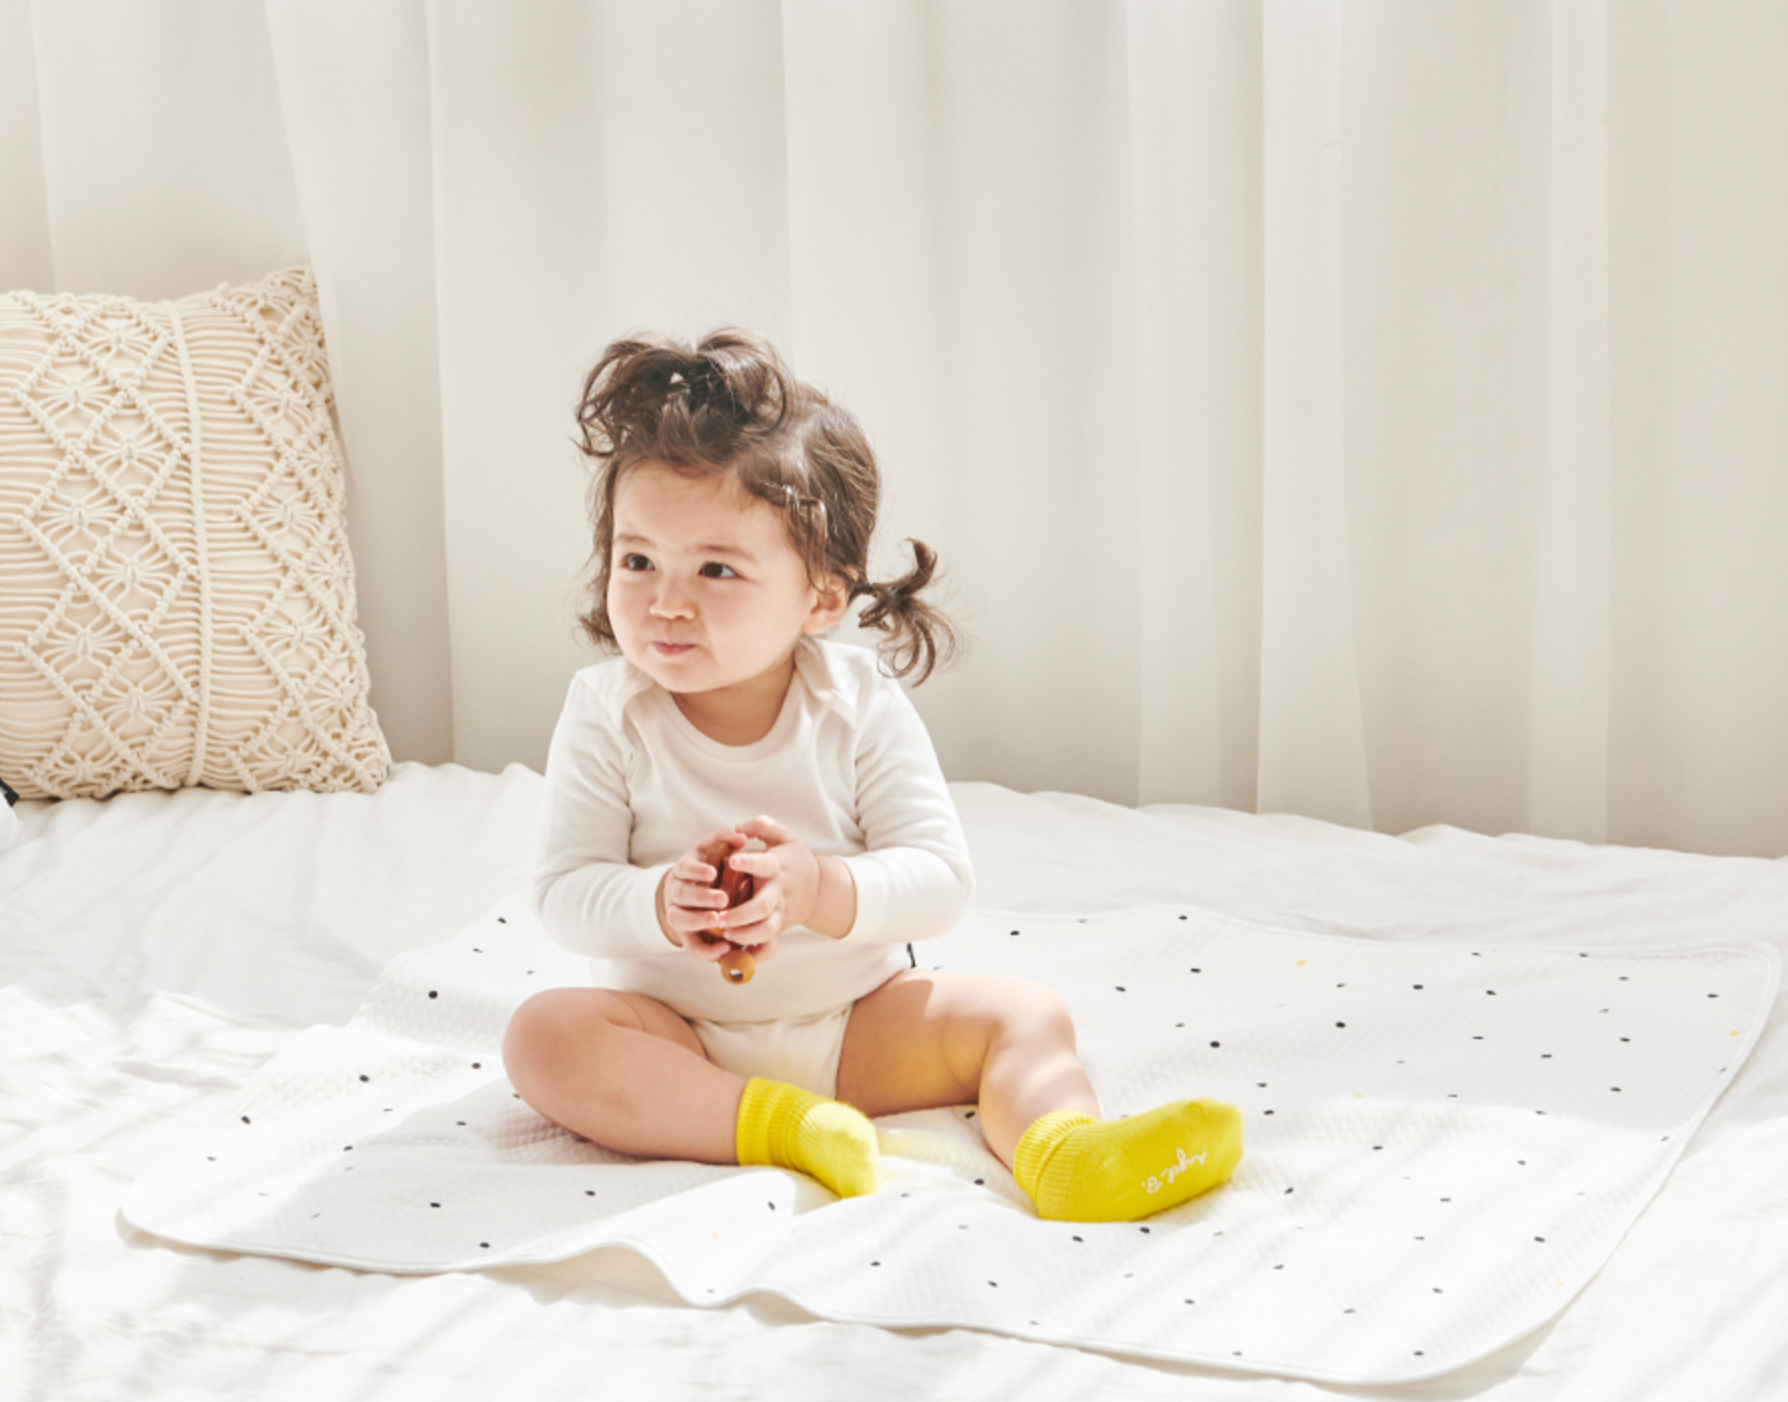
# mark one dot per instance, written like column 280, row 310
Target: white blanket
column 1444, row 1144
column 157, row 950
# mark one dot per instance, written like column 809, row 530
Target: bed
column 216, row 882
column 158, row 949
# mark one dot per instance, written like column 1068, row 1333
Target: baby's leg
column 626, row 1072
column 926, row 1039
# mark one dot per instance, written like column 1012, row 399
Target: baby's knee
column 1034, row 1008
column 538, row 1037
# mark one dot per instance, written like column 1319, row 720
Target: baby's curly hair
column 729, row 406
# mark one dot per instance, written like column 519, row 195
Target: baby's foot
column 789, row 1127
column 1078, row 1169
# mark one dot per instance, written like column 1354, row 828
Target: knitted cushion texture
column 177, row 599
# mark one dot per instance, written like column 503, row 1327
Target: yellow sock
column 1078, row 1169
column 789, row 1127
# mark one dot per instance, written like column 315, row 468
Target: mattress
column 158, row 952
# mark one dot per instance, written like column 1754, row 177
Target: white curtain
column 1370, row 409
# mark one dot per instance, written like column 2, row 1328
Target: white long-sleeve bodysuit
column 632, row 785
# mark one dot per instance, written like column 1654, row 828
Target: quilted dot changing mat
column 1444, row 1144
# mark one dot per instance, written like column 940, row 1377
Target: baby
column 732, row 509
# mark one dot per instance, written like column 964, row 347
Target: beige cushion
column 176, row 596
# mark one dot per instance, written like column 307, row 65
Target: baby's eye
column 635, row 562
column 715, row 570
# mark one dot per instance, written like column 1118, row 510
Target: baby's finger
column 690, row 923
column 767, row 830
column 693, row 874
column 696, row 895
column 760, row 866
column 752, row 922
column 736, row 918
column 701, row 949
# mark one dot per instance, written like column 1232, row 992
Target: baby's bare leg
column 925, row 1039
column 625, row 1072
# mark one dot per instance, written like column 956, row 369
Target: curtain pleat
column 1567, row 759
column 354, row 91
column 1312, row 730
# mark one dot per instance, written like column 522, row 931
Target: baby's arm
column 587, row 892
column 915, row 878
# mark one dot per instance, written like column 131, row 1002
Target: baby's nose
column 672, row 601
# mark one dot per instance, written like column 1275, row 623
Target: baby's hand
column 690, row 905
column 787, row 878
column 688, row 899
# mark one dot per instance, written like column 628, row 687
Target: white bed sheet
column 156, row 949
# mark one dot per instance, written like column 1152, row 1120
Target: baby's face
column 705, row 591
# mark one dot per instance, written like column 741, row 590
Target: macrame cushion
column 176, row 595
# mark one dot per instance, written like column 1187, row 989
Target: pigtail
column 920, row 636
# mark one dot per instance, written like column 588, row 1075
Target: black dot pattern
column 1429, row 1134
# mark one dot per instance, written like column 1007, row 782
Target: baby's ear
column 832, row 598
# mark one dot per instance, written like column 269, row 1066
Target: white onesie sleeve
column 587, row 892
column 915, row 877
